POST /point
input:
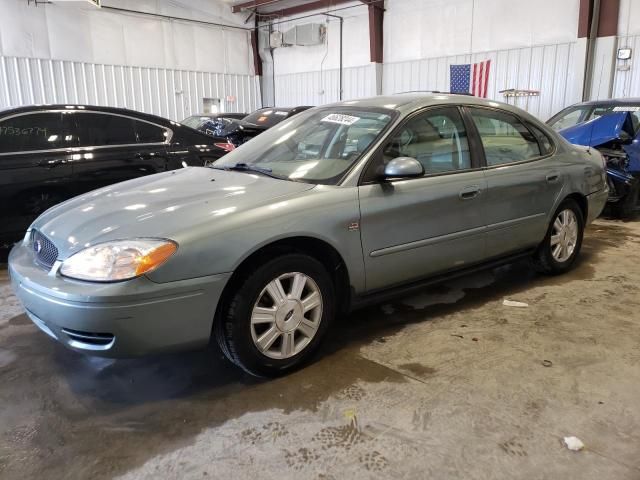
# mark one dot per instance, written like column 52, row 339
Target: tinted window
column 148, row 133
column 37, row 131
column 504, row 138
column 437, row 139
column 103, row 129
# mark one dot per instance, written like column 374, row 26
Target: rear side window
column 37, row 131
column 546, row 147
column 504, row 138
column 99, row 129
column 149, row 133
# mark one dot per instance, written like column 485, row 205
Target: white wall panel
column 548, row 69
column 319, row 88
column 169, row 93
column 627, row 75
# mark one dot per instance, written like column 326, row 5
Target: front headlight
column 118, row 260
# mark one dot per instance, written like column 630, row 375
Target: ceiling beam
column 305, row 7
column 252, row 4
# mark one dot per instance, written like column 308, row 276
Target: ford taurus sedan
column 336, row 207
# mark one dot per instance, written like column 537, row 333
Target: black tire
column 543, row 260
column 626, row 206
column 233, row 329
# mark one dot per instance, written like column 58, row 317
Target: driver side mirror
column 403, row 167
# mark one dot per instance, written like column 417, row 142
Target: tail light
column 227, row 147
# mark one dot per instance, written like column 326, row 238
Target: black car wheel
column 34, row 203
column 277, row 315
column 627, row 205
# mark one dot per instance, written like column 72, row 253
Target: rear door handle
column 50, row 163
column 553, row 177
column 470, row 192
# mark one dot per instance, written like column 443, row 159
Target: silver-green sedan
column 339, row 206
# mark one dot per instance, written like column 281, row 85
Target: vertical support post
column 376, row 21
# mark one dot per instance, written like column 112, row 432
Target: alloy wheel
column 564, row 236
column 286, row 316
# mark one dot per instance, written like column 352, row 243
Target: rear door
column 418, row 227
column 35, row 166
column 523, row 178
column 114, row 148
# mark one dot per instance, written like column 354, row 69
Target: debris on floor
column 573, row 443
column 547, row 363
column 513, row 303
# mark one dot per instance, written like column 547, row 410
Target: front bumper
column 121, row 319
column 596, row 202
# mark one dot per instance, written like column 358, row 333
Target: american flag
column 470, row 78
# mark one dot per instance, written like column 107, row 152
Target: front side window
column 504, row 138
column 317, row 146
column 436, row 138
column 37, row 131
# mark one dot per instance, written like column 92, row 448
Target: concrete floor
column 446, row 384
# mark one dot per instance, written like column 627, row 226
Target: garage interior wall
column 56, row 53
column 534, row 48
column 627, row 72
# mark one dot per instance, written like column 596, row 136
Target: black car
column 230, row 134
column 51, row 153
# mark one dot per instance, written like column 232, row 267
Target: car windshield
column 316, row 146
column 575, row 115
column 195, row 121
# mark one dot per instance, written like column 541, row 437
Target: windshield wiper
column 246, row 167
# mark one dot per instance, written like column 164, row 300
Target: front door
column 114, row 148
column 35, row 167
column 417, row 227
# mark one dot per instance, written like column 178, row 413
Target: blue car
column 613, row 128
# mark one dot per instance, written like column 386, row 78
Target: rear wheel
column 277, row 315
column 558, row 251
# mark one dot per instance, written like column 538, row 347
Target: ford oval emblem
column 37, row 246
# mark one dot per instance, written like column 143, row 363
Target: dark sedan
column 230, row 134
column 54, row 152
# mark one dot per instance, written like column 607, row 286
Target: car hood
column 600, row 131
column 165, row 205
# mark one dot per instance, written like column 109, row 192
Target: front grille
column 45, row 251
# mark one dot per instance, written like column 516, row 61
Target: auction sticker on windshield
column 626, row 109
column 340, row 118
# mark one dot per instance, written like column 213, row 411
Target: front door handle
column 470, row 192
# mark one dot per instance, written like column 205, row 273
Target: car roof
column 407, row 102
column 94, row 108
column 610, row 101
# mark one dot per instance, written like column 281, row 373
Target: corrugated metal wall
column 173, row 94
column 318, row 88
column 627, row 82
column 547, row 68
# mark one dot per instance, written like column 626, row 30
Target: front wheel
column 558, row 251
column 277, row 315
